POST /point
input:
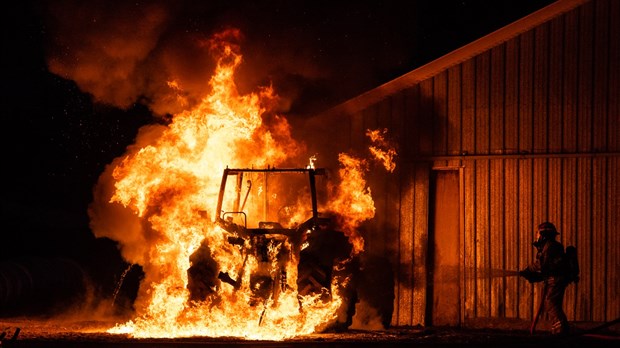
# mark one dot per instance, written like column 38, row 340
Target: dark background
column 56, row 140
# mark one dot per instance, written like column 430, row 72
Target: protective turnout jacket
column 549, row 260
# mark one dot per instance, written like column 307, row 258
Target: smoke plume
column 155, row 53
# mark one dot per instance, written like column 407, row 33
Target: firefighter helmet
column 547, row 228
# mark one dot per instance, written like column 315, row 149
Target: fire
column 170, row 182
column 354, row 197
column 311, row 163
column 382, row 149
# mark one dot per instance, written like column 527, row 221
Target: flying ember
column 231, row 244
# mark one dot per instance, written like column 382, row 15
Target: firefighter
column 549, row 268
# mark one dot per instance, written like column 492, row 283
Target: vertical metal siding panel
column 469, row 105
column 584, row 240
column 540, row 192
column 511, row 192
column 525, row 92
column 410, row 130
column 554, row 145
column 613, row 239
column 482, row 112
column 454, row 129
column 556, row 54
column 469, row 247
column 584, row 121
column 511, row 143
column 570, row 82
column 584, row 143
column 511, row 107
column 599, row 248
column 412, row 125
column 400, row 247
column 554, row 198
column 420, row 240
column 419, row 233
column 600, row 75
column 526, row 225
column 425, row 122
column 404, row 279
column 497, row 102
column 497, row 239
column 569, row 231
column 526, row 57
column 497, row 242
column 601, row 101
column 406, row 293
column 613, row 113
column 570, row 202
column 483, row 289
column 483, row 261
column 541, row 88
column 534, row 122
column 394, row 188
column 440, row 117
column 468, row 146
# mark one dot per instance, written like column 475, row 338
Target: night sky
column 59, row 134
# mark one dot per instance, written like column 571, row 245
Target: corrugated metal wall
column 534, row 127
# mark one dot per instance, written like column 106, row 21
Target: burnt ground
column 42, row 333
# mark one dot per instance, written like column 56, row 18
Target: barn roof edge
column 453, row 58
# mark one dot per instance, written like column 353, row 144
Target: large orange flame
column 171, row 182
column 353, row 198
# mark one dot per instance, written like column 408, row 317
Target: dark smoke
column 153, row 52
column 112, row 50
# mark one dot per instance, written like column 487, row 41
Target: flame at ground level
column 284, row 320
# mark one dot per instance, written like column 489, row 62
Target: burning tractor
column 275, row 219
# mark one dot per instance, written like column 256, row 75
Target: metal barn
column 518, row 127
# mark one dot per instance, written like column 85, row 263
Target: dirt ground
column 39, row 332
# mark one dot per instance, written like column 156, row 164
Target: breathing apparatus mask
column 540, row 242
column 546, row 231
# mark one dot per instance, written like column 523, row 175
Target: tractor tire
column 319, row 263
column 312, row 276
